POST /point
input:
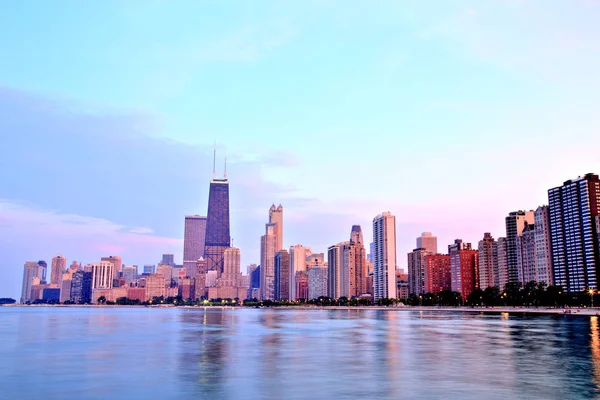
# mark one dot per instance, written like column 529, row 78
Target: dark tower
column 217, row 224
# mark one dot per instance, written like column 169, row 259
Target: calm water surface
column 140, row 353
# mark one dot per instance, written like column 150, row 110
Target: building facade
column 543, row 258
column 438, row 276
column 217, row 237
column 298, row 256
column 502, row 263
column 384, row 269
column 282, row 275
column 463, row 267
column 416, row 271
column 317, row 282
column 268, row 242
column 193, row 241
column 515, row 224
column 488, row 262
column 428, row 242
column 574, row 216
column 59, row 266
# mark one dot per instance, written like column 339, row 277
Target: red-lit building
column 438, row 276
column 464, row 268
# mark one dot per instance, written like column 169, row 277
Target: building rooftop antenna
column 225, row 171
column 214, row 161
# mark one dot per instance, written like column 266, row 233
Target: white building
column 268, row 244
column 317, row 282
column 384, row 269
column 543, row 258
column 298, row 255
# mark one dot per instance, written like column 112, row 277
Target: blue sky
column 449, row 114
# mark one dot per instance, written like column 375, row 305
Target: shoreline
column 483, row 310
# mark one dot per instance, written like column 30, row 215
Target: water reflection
column 295, row 354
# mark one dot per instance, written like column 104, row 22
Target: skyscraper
column 103, row 275
column 416, row 271
column 169, row 259
column 488, row 262
column 574, row 211
column 502, row 263
column 428, row 242
column 526, row 267
column 298, row 256
column 334, row 271
column 31, row 270
column 81, row 287
column 217, row 237
column 543, row 259
column 463, row 267
column 384, row 269
column 130, row 273
column 59, row 266
column 357, row 263
column 317, row 282
column 268, row 242
column 276, row 217
column 515, row 223
column 282, row 275
column 193, row 242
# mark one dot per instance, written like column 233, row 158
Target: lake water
column 142, row 353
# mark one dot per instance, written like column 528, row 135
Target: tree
column 7, row 300
column 101, row 300
column 475, row 298
column 512, row 292
column 491, row 296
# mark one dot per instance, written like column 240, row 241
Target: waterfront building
column 81, row 287
column 65, row 285
column 384, row 270
column 515, row 224
column 31, row 270
column 59, row 266
column 268, row 243
column 317, row 282
column 229, row 285
column 401, row 284
column 155, row 286
column 211, row 278
column 185, row 288
column 298, row 256
column 51, row 295
column 301, row 285
column 136, row 293
column 416, row 271
column 463, row 267
column 254, row 273
column 574, row 216
column 193, row 242
column 428, row 242
column 357, row 263
column 543, row 258
column 438, row 275
column 488, row 262
column 217, row 237
column 526, row 268
column 103, row 275
column 282, row 275
column 502, row 263
column 335, row 271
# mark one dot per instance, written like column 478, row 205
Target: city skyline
column 493, row 126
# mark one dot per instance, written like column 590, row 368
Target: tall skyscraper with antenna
column 217, row 238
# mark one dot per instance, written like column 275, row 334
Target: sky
column 449, row 114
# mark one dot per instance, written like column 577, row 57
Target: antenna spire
column 225, row 172
column 214, row 161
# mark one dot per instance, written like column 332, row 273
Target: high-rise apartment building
column 31, row 270
column 193, row 242
column 384, row 269
column 488, row 262
column 65, row 286
column 217, row 237
column 268, row 242
column 515, row 224
column 502, row 263
column 463, row 267
column 167, row 271
column 298, row 256
column 428, row 242
column 317, row 282
column 574, row 216
column 526, row 267
column 276, row 217
column 357, row 263
column 438, row 276
column 543, row 258
column 334, row 271
column 59, row 266
column 282, row 275
column 117, row 263
column 401, row 284
column 416, row 271
column 81, row 287
column 254, row 273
